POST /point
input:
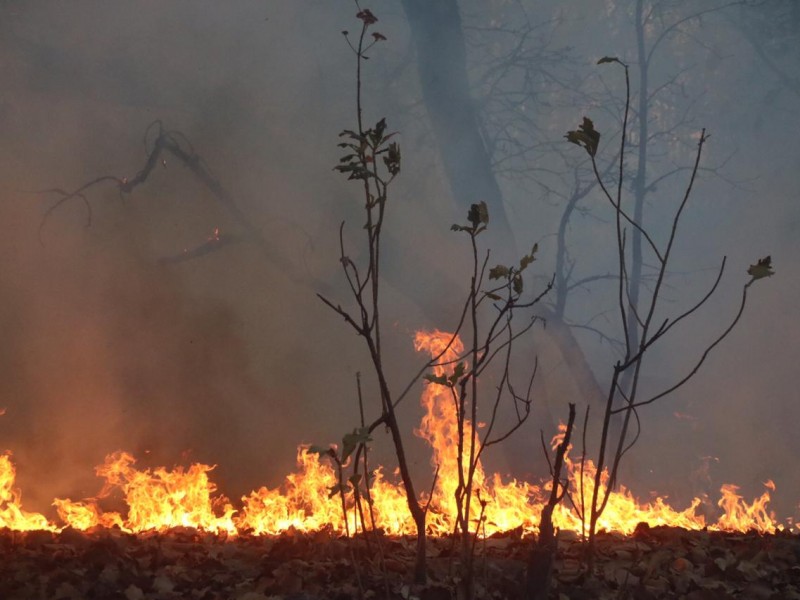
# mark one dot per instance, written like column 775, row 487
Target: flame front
column 158, row 499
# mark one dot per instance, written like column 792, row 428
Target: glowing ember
column 159, row 499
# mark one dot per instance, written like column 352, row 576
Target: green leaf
column 499, row 272
column 608, row 59
column 350, row 441
column 585, row 136
column 762, row 268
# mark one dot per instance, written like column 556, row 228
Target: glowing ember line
column 158, row 499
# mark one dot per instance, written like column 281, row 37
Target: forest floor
column 188, row 564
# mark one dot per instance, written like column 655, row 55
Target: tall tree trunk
column 442, row 66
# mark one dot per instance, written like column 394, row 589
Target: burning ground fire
column 160, row 499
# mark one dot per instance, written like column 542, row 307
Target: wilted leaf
column 478, row 214
column 608, row 59
column 339, row 488
column 499, row 272
column 392, row 159
column 367, row 17
column 516, row 283
column 585, row 136
column 763, row 268
column 437, row 379
column 458, row 373
column 322, row 450
column 528, row 258
column 378, row 36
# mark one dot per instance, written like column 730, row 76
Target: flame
column 157, row 499
column 160, row 498
column 11, row 514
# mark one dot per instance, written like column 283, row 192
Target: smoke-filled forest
column 170, row 309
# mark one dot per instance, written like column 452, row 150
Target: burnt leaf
column 478, row 215
column 392, row 159
column 339, row 488
column 499, row 272
column 585, row 136
column 367, row 17
column 762, row 268
column 608, row 59
column 516, row 283
column 378, row 36
column 437, row 379
column 528, row 258
column 376, row 133
column 322, row 450
column 458, row 373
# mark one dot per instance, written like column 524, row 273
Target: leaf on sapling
column 516, row 283
column 323, row 450
column 392, row 159
column 493, row 296
column 608, row 59
column 478, row 215
column 350, row 441
column 367, row 17
column 499, row 272
column 339, row 488
column 376, row 133
column 585, row 136
column 437, row 379
column 457, row 374
column 447, row 381
column 762, row 268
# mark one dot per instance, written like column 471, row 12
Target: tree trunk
column 442, row 67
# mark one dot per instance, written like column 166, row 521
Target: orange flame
column 159, row 498
column 11, row 514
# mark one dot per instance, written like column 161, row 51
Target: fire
column 11, row 514
column 157, row 499
column 308, row 500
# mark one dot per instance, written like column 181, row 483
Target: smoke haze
column 112, row 341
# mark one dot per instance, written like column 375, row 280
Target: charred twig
column 542, row 555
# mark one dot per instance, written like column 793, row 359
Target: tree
column 650, row 325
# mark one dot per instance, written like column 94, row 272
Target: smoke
column 229, row 358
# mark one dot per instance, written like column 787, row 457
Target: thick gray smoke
column 115, row 336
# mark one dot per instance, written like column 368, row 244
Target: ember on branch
column 160, row 499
